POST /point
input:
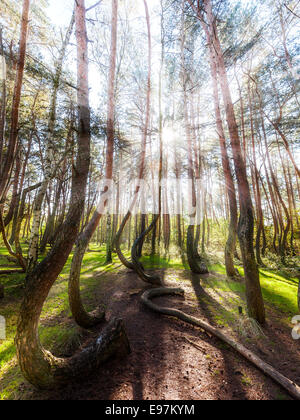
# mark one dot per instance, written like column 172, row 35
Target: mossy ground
column 59, row 334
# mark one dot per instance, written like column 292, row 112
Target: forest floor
column 169, row 359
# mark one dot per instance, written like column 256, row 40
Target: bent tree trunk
column 137, row 246
column 40, row 367
column 81, row 316
column 118, row 237
column 16, row 255
column 196, row 262
column 154, row 279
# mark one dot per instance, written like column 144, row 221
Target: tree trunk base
column 196, row 262
column 138, row 267
column 47, row 372
column 112, row 342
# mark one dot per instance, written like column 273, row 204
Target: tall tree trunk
column 84, row 319
column 39, row 367
column 255, row 302
column 12, row 144
column 49, row 155
column 196, row 263
column 256, row 186
column 2, row 99
column 229, row 182
column 154, row 279
column 15, row 195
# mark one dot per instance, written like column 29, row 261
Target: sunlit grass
column 278, row 289
column 58, row 338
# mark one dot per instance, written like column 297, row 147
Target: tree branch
column 291, row 11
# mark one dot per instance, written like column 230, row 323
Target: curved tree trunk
column 140, row 240
column 40, row 367
column 81, row 316
column 154, row 279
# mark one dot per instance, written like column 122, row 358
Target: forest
column 149, row 200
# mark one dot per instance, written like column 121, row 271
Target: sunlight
column 149, row 149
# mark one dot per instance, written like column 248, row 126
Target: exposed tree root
column 138, row 267
column 292, row 388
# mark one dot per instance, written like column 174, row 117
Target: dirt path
column 175, row 361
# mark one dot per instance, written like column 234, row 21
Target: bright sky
column 60, row 13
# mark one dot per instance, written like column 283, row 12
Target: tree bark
column 12, row 144
column 49, row 155
column 229, row 182
column 135, row 248
column 84, row 319
column 40, row 367
column 255, row 302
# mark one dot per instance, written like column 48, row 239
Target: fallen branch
column 292, row 388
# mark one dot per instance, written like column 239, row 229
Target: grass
column 279, row 289
column 60, row 335
column 60, row 338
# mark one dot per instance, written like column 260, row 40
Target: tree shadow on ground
column 204, row 301
column 276, row 348
column 161, row 355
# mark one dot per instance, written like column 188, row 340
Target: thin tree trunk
column 154, row 279
column 49, row 155
column 12, row 144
